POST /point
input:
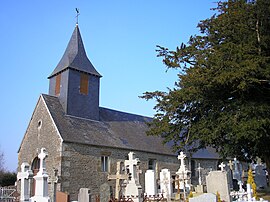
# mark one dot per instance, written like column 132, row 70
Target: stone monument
column 24, row 176
column 41, row 188
column 165, row 183
column 217, row 181
column 150, row 183
column 133, row 188
column 118, row 177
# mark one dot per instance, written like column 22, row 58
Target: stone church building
column 84, row 141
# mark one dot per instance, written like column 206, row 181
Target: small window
column 39, row 124
column 84, row 84
column 57, row 84
column 152, row 164
column 105, row 164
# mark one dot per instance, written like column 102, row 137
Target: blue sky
column 120, row 38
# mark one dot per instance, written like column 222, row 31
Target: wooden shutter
column 84, row 84
column 57, row 84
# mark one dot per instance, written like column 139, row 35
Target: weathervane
column 77, row 16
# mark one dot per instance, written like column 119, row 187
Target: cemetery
column 219, row 184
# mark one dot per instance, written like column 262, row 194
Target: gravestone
column 260, row 177
column 133, row 188
column 84, row 195
column 165, row 183
column 118, row 177
column 24, row 176
column 199, row 187
column 237, row 170
column 105, row 194
column 217, row 181
column 206, row 197
column 53, row 180
column 41, row 188
column 150, row 183
column 183, row 174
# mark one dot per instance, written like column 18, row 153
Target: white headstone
column 206, row 197
column 41, row 188
column 217, row 181
column 165, row 183
column 84, row 195
column 150, row 183
column 133, row 188
column 24, row 176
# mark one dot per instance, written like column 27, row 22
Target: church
column 85, row 141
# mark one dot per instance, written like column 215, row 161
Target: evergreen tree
column 222, row 97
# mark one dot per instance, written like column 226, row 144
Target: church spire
column 75, row 57
column 75, row 81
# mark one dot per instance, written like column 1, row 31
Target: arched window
column 35, row 168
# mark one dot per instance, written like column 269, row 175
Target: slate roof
column 115, row 129
column 75, row 57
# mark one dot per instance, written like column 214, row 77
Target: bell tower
column 75, row 81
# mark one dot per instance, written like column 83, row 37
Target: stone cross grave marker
column 222, row 166
column 230, row 164
column 41, row 188
column 236, row 172
column 183, row 174
column 133, row 188
column 24, row 176
column 182, row 157
column 165, row 183
column 118, row 177
column 199, row 171
column 131, row 164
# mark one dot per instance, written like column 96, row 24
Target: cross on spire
column 77, row 16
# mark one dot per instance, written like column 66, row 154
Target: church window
column 104, row 163
column 152, row 164
column 84, row 84
column 57, row 84
column 39, row 124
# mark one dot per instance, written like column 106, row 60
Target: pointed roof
column 75, row 57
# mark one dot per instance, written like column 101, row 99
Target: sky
column 120, row 39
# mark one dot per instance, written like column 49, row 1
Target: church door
column 35, row 169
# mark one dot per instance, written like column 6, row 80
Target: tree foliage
column 222, row 97
column 7, row 178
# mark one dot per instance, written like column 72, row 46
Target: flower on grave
column 253, row 184
column 218, row 197
column 190, row 194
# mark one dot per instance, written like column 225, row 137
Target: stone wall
column 82, row 166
